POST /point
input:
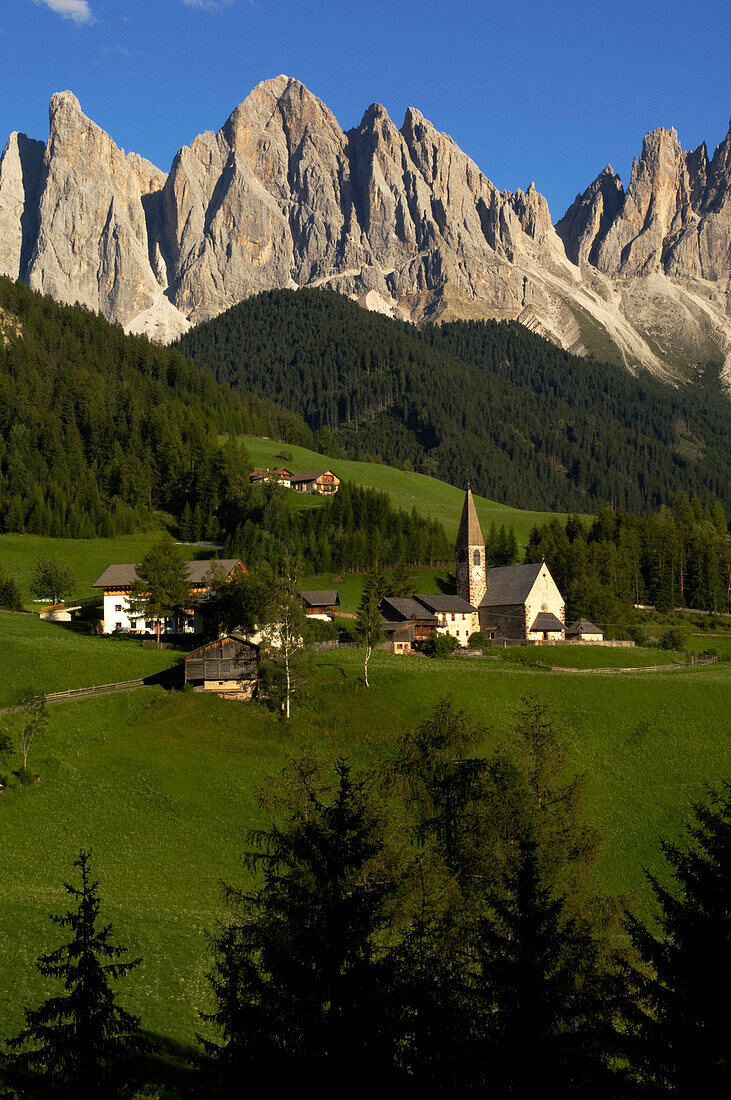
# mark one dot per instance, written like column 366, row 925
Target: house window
column 149, row 625
column 117, row 607
column 133, row 624
column 117, row 626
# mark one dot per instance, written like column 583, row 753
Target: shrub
column 477, row 640
column 9, row 592
column 674, row 638
column 439, row 645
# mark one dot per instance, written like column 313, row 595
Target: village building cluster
column 505, row 604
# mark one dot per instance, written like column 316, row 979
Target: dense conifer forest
column 535, row 426
column 356, row 528
column 97, row 428
column 677, row 557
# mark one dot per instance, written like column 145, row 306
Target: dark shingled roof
column 446, row 603
column 326, row 598
column 509, row 584
column 311, row 476
column 124, row 576
column 470, row 532
column 401, row 608
column 583, row 626
column 547, row 621
column 241, row 638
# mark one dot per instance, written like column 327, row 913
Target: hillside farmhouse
column 284, row 477
column 117, row 582
column 324, row 482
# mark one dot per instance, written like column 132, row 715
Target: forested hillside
column 533, row 425
column 97, row 428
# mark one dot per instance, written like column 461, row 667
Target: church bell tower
column 471, row 562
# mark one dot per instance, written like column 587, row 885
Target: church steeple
column 470, row 547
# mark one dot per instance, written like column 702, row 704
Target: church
column 511, row 602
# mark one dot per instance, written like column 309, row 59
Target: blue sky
column 548, row 92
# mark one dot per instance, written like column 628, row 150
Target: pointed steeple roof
column 470, row 532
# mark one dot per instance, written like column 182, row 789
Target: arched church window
column 476, row 557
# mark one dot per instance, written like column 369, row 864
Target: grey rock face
column 399, row 219
column 675, row 217
column 20, row 173
column 91, row 246
column 587, row 221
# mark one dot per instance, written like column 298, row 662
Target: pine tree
column 547, row 981
column 681, row 1030
column 546, row 997
column 300, row 973
column 79, row 1044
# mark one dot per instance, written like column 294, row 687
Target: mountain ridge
column 400, row 219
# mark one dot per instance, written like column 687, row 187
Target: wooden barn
column 229, row 666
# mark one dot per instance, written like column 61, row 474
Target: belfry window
column 476, row 557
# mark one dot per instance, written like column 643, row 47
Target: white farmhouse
column 117, row 582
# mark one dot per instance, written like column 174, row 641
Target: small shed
column 321, row 604
column 229, row 666
column 584, row 631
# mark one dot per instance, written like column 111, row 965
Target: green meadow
column 49, row 657
column 407, row 490
column 88, row 558
column 162, row 786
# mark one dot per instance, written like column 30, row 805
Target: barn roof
column 470, row 532
column 313, row 476
column 402, row 608
column 509, row 584
column 224, row 638
column 546, row 621
column 328, row 597
column 442, row 602
column 125, row 575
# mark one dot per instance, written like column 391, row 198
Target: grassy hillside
column 428, row 495
column 50, row 657
column 162, row 788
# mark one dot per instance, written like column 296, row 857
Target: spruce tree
column 546, row 985
column 300, row 974
column 681, row 1030
column 80, row 1043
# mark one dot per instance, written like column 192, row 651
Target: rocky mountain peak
column 586, row 222
column 400, row 219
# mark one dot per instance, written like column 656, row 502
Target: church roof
column 509, row 584
column 470, row 532
column 402, row 607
